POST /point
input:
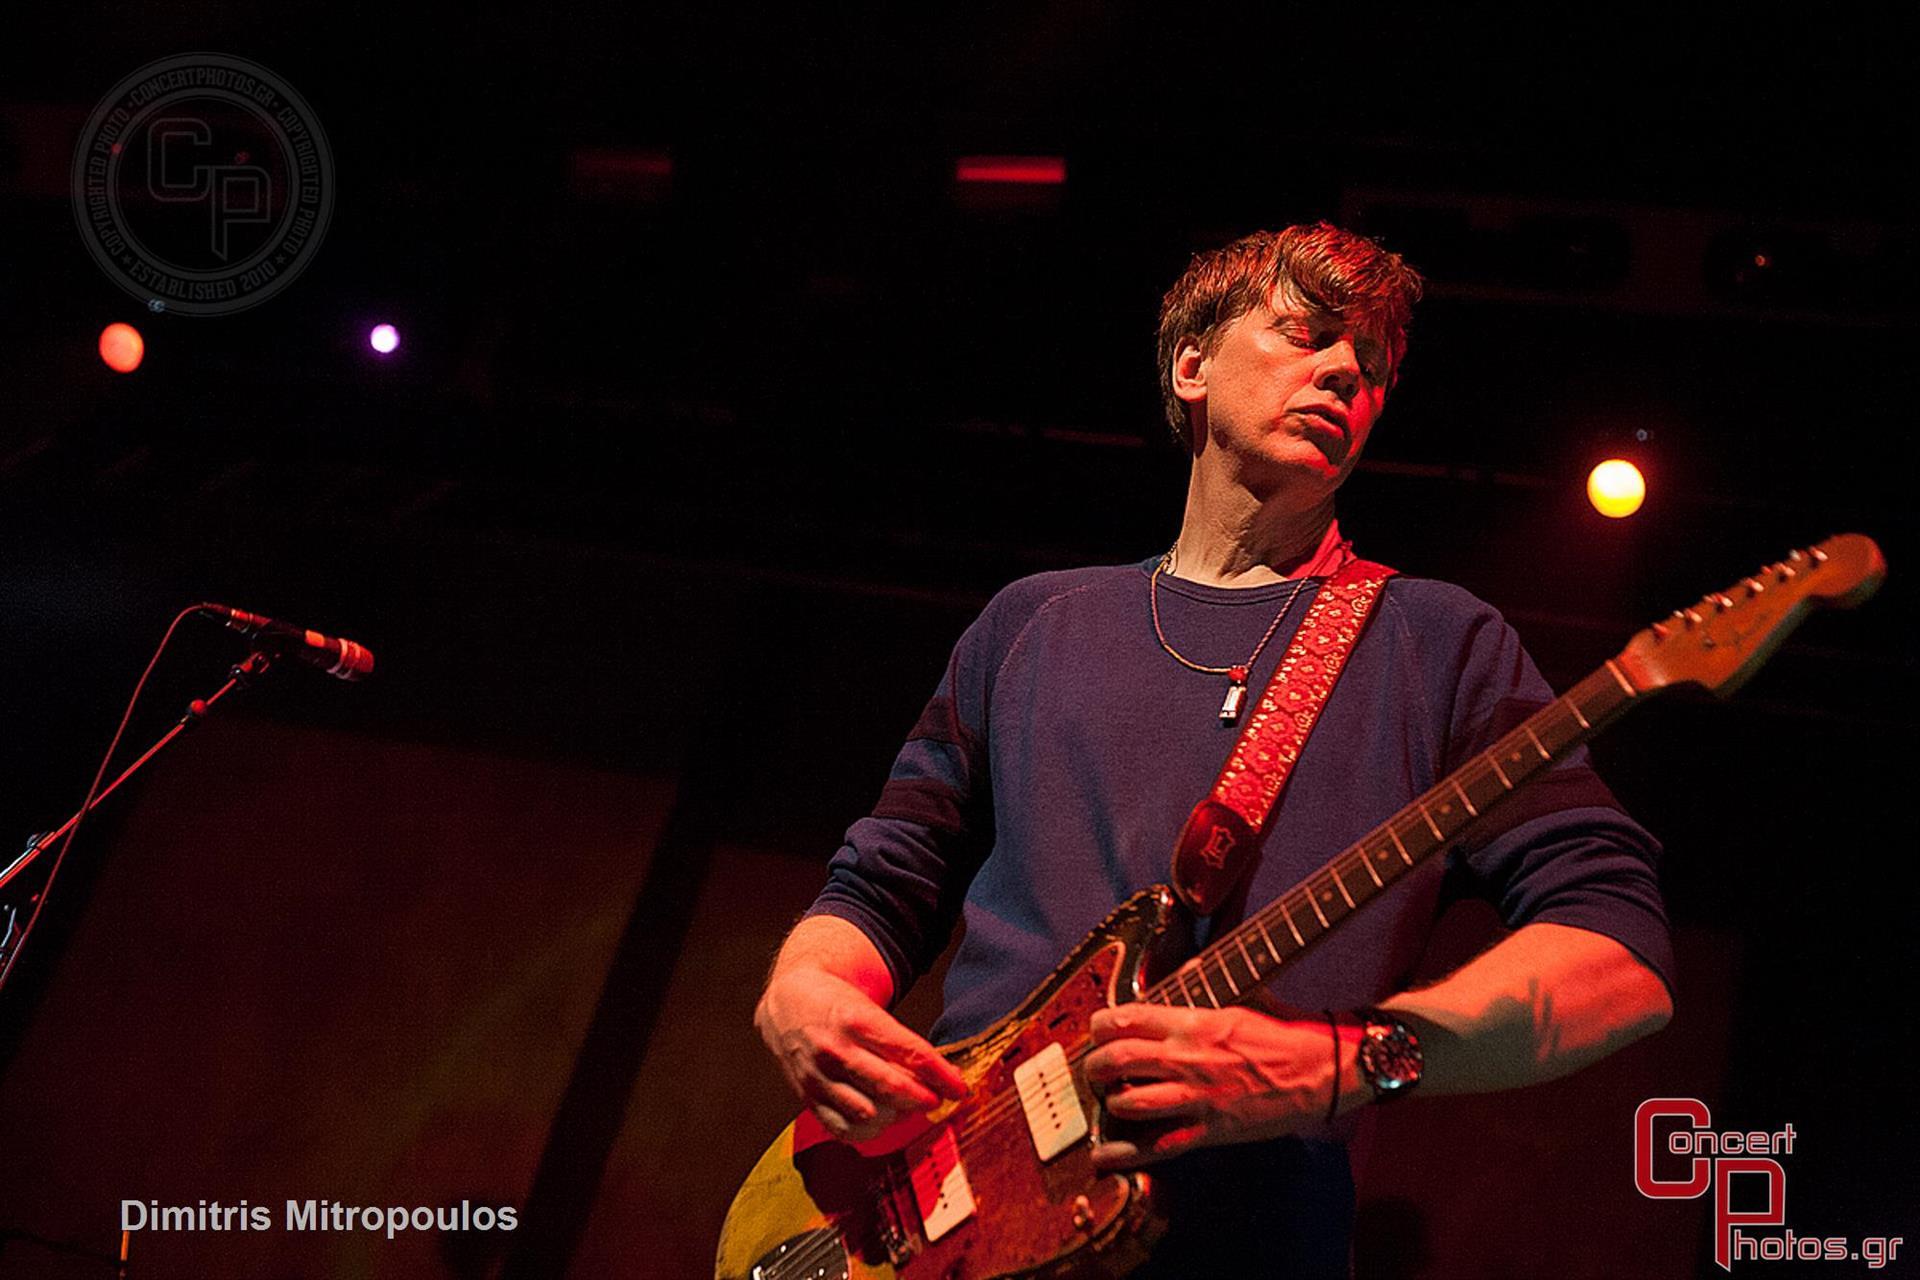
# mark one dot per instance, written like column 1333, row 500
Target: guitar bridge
column 890, row 1224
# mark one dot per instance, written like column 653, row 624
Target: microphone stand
column 239, row 676
column 243, row 673
column 72, row 1248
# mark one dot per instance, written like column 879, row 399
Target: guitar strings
column 1007, row 1103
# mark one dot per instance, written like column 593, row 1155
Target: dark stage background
column 721, row 408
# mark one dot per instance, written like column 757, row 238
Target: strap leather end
column 1215, row 849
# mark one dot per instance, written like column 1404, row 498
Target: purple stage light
column 384, row 338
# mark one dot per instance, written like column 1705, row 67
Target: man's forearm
column 1545, row 1001
column 833, row 945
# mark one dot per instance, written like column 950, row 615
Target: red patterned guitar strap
column 1216, row 848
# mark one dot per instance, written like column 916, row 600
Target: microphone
column 344, row 659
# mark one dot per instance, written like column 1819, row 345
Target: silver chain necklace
column 1231, row 705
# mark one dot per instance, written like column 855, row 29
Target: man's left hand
column 1184, row 1078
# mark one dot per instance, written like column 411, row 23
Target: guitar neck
column 1234, row 966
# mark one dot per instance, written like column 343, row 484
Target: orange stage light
column 122, row 347
column 1616, row 488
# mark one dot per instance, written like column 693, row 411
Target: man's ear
column 1189, row 376
column 1189, row 371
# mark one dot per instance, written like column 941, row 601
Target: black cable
column 46, row 887
column 1333, row 1108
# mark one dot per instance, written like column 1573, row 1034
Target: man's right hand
column 848, row 1059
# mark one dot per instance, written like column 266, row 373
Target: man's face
column 1291, row 394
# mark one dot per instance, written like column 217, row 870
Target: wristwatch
column 1390, row 1060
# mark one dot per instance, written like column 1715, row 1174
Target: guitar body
column 826, row 1211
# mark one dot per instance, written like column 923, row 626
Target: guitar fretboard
column 1234, row 966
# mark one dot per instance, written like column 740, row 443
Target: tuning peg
column 1754, row 585
column 1796, row 555
column 1819, row 556
column 1661, row 631
column 1721, row 602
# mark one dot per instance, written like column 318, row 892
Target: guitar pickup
column 1052, row 1104
column 940, row 1188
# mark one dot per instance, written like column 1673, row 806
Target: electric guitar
column 1001, row 1183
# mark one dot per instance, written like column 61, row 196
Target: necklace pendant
column 1230, row 707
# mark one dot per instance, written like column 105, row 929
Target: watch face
column 1391, row 1059
column 1393, row 1064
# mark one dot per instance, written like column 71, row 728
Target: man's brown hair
column 1328, row 270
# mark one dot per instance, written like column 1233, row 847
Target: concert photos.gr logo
column 202, row 184
column 1708, row 1160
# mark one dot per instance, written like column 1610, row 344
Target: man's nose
column 1339, row 370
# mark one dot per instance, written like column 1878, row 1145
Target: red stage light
column 122, row 347
column 1046, row 171
column 620, row 175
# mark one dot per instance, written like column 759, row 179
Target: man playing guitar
column 1080, row 719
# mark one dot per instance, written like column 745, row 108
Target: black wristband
column 1333, row 1025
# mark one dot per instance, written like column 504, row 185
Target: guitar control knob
column 1082, row 1213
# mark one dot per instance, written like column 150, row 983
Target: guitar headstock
column 1722, row 640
